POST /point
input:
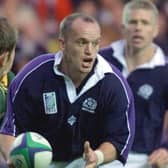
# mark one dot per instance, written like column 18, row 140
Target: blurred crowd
column 37, row 23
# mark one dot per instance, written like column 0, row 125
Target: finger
column 153, row 157
column 159, row 156
column 162, row 161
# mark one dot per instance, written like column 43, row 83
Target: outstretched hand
column 89, row 156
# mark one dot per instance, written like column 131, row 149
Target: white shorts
column 135, row 160
column 80, row 163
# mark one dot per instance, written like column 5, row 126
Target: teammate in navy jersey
column 144, row 65
column 75, row 99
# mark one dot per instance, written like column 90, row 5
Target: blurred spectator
column 90, row 7
column 110, row 19
column 51, row 12
column 162, row 38
column 37, row 21
column 32, row 41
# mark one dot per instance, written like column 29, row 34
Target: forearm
column 5, row 144
column 109, row 151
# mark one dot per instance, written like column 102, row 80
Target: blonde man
column 144, row 65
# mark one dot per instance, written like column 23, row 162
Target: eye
column 81, row 42
column 95, row 43
column 133, row 22
column 145, row 22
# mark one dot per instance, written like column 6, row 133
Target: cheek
column 77, row 52
column 151, row 34
column 96, row 49
column 127, row 32
column 156, row 32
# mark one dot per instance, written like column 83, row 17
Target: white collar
column 101, row 68
column 118, row 52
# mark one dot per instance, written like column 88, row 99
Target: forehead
column 141, row 14
column 86, row 29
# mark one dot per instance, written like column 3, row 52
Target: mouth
column 87, row 62
column 137, row 38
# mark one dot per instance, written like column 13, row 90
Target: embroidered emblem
column 50, row 103
column 89, row 105
column 145, row 91
column 71, row 120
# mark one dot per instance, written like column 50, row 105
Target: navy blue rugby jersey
column 44, row 100
column 149, row 83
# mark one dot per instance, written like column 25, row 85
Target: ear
column 4, row 58
column 123, row 30
column 156, row 31
column 61, row 43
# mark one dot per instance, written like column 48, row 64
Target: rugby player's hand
column 89, row 156
column 159, row 158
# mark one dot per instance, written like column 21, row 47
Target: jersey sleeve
column 120, row 127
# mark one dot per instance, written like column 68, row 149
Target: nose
column 138, row 26
column 88, row 49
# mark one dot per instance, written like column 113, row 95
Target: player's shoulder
column 40, row 60
column 164, row 69
column 106, row 51
column 114, row 78
column 37, row 64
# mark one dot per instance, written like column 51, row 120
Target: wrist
column 100, row 156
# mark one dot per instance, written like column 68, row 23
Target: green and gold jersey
column 4, row 83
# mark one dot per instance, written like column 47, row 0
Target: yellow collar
column 4, row 80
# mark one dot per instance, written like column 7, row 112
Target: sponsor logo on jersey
column 50, row 103
column 145, row 91
column 89, row 105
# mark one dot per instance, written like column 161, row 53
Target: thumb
column 87, row 147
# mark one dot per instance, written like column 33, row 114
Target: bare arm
column 5, row 144
column 105, row 153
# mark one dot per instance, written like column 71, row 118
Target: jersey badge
column 145, row 91
column 50, row 104
column 89, row 105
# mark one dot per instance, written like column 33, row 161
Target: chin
column 85, row 70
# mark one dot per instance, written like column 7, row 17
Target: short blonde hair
column 139, row 4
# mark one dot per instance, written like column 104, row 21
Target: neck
column 136, row 58
column 76, row 76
